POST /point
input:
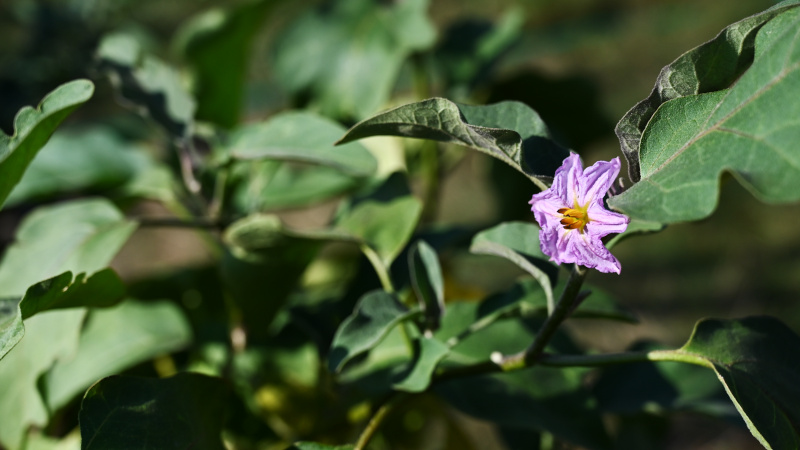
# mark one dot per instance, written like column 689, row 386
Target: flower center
column 574, row 218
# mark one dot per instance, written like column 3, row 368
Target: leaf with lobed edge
column 710, row 67
column 33, row 128
column 508, row 131
column 750, row 130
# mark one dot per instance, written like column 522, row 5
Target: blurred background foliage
column 580, row 63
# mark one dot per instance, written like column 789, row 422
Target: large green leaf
column 104, row 288
column 79, row 236
column 712, row 66
column 302, row 137
column 756, row 360
column 49, row 336
column 32, row 129
column 508, row 131
column 113, row 340
column 184, row 411
column 748, row 130
column 217, row 45
column 79, row 161
column 375, row 315
column 147, row 83
column 348, row 55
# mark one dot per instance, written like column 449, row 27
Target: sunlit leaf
column 49, row 336
column 710, row 67
column 79, row 236
column 346, row 57
column 301, row 137
column 217, row 45
column 375, row 314
column 384, row 219
column 147, row 83
column 749, row 130
column 184, row 411
column 32, row 129
column 113, row 340
column 508, row 131
column 427, row 281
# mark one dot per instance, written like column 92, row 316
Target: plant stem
column 560, row 313
column 173, row 222
column 380, row 268
column 623, row 358
column 376, row 420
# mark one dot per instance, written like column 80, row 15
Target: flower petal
column 603, row 222
column 590, row 252
column 568, row 177
column 597, row 179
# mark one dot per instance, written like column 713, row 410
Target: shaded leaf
column 317, row 446
column 755, row 359
column 375, row 315
column 261, row 252
column 538, row 399
column 346, row 57
column 749, row 130
column 217, row 45
column 113, row 340
column 184, row 411
column 427, row 354
column 710, row 67
column 32, row 129
column 427, row 281
column 149, row 84
column 508, row 131
column 301, row 137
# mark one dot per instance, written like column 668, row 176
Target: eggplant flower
column 572, row 217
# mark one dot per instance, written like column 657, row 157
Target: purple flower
column 572, row 216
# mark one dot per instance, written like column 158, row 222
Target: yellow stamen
column 574, row 218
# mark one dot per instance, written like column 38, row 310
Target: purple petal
column 568, row 177
column 587, row 251
column 597, row 179
column 603, row 222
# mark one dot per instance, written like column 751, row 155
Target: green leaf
column 427, row 354
column 32, row 129
column 755, row 359
column 49, row 336
column 508, row 131
column 147, row 83
column 104, row 288
column 113, row 340
column 376, row 313
column 427, row 281
column 519, row 243
column 383, row 220
column 348, row 56
column 317, row 446
column 217, row 44
column 710, row 67
column 79, row 236
column 257, row 186
column 184, row 411
column 263, row 253
column 301, row 137
column 748, row 130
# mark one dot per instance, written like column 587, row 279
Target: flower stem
column 560, row 313
column 380, row 268
column 376, row 420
